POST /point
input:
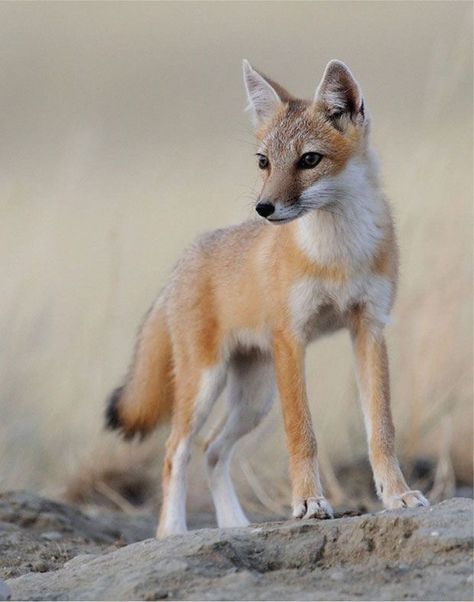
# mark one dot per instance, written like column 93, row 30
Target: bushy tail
column 146, row 399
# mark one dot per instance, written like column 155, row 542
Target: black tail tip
column 112, row 416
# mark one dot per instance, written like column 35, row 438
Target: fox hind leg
column 196, row 391
column 250, row 393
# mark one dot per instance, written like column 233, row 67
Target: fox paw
column 313, row 507
column 409, row 499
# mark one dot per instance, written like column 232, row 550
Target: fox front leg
column 371, row 362
column 308, row 500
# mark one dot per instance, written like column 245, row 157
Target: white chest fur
column 318, row 307
column 345, row 232
column 348, row 222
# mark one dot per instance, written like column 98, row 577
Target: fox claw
column 408, row 499
column 313, row 507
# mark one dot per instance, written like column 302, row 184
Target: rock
column 385, row 555
column 37, row 534
column 5, row 592
column 40, row 515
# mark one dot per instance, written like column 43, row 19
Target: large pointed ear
column 264, row 96
column 339, row 95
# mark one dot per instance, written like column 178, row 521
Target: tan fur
column 289, row 363
column 372, row 365
column 147, row 398
column 257, row 290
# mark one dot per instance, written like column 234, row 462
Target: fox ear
column 264, row 95
column 339, row 94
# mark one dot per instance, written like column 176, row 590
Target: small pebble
column 434, row 533
column 52, row 535
column 336, row 576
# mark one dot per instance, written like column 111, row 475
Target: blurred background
column 123, row 136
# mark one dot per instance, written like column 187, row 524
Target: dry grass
column 124, row 136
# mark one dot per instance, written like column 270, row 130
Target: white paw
column 409, row 499
column 226, row 520
column 313, row 507
column 163, row 532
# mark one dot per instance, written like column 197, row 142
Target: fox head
column 306, row 148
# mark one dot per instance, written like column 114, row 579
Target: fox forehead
column 299, row 127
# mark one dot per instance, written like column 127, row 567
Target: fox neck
column 349, row 230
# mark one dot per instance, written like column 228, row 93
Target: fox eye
column 309, row 160
column 263, row 161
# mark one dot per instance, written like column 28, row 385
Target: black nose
column 265, row 209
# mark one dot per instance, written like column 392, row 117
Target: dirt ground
column 53, row 551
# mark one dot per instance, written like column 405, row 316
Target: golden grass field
column 123, row 136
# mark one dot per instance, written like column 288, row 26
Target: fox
column 245, row 301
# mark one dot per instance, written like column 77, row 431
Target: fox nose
column 265, row 208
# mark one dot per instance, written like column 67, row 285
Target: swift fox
column 244, row 302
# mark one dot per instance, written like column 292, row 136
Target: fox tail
column 146, row 398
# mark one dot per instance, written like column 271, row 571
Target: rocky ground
column 52, row 551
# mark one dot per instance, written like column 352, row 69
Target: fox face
column 305, row 147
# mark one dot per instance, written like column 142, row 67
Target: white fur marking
column 175, row 515
column 308, row 295
column 348, row 227
column 250, row 395
column 249, row 338
column 212, row 383
column 229, row 513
